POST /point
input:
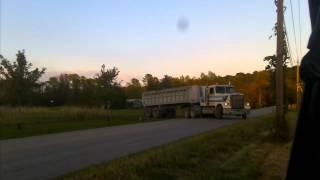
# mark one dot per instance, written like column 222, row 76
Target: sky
column 143, row 36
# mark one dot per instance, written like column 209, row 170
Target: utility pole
column 279, row 66
column 298, row 85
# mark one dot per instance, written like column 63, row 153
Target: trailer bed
column 172, row 96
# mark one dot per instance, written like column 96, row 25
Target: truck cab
column 223, row 100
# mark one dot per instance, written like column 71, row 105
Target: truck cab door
column 204, row 96
column 211, row 94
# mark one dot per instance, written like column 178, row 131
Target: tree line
column 20, row 86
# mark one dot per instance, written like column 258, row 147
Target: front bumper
column 229, row 111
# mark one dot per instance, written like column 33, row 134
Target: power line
column 288, row 43
column 300, row 42
column 294, row 30
column 299, row 89
column 298, row 53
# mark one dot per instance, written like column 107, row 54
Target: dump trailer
column 217, row 100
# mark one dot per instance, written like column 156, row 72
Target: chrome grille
column 237, row 101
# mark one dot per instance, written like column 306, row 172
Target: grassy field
column 22, row 122
column 242, row 151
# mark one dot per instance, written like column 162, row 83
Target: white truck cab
column 223, row 100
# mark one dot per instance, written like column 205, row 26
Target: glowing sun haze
column 174, row 37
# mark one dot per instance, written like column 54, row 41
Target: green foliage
column 72, row 89
column 19, row 83
column 108, row 77
column 109, row 89
column 151, row 82
column 134, row 89
column 29, row 121
column 166, row 82
column 272, row 60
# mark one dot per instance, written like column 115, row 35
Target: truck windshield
column 220, row 89
column 225, row 89
column 230, row 90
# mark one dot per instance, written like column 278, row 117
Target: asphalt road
column 47, row 156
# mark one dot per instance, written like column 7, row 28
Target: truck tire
column 218, row 112
column 193, row 114
column 162, row 112
column 171, row 112
column 155, row 113
column 148, row 112
column 195, row 111
column 187, row 113
column 244, row 116
column 174, row 113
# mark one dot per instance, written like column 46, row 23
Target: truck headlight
column 226, row 103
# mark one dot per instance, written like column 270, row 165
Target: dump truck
column 196, row 101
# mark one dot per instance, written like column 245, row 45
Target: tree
column 166, row 82
column 89, row 92
column 109, row 89
column 108, row 77
column 150, row 82
column 19, row 81
column 134, row 89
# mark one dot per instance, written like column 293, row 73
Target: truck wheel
column 187, row 113
column 218, row 112
column 163, row 113
column 148, row 112
column 244, row 116
column 155, row 113
column 172, row 113
column 195, row 112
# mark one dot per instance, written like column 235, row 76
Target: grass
column 22, row 122
column 242, row 151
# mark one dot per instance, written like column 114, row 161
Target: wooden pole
column 298, row 85
column 279, row 68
